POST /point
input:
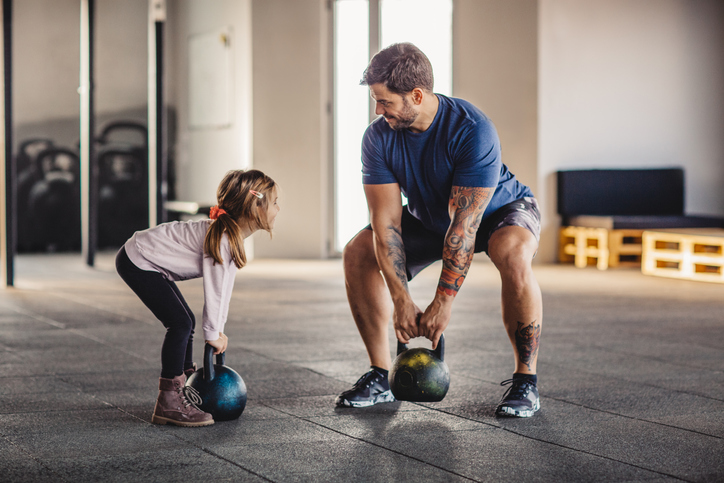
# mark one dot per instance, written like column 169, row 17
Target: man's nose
column 379, row 110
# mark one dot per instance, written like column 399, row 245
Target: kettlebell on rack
column 218, row 389
column 420, row 375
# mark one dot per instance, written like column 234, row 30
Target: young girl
column 152, row 260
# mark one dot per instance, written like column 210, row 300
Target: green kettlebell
column 420, row 375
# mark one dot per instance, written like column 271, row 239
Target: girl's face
column 273, row 208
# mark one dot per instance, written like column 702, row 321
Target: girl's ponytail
column 242, row 198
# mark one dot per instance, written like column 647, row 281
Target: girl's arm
column 218, row 281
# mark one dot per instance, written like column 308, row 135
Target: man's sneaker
column 372, row 388
column 520, row 400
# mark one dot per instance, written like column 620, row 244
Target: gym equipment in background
column 122, row 154
column 53, row 209
column 419, row 374
column 29, row 173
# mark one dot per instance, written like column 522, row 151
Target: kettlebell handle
column 439, row 352
column 209, row 372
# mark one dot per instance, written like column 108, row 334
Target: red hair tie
column 215, row 212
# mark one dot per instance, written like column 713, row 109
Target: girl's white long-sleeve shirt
column 176, row 251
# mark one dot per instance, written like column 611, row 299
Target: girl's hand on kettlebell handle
column 219, row 344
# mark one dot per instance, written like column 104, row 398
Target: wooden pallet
column 601, row 247
column 584, row 246
column 624, row 248
column 692, row 254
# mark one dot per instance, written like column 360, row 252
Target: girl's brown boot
column 172, row 406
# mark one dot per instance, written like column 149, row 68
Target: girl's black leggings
column 164, row 299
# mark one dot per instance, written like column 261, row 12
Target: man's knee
column 512, row 249
column 359, row 252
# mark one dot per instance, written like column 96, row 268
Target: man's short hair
column 401, row 68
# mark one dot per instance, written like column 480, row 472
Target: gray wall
column 46, row 60
column 46, row 64
column 121, row 56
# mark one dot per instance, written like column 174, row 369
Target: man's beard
column 405, row 118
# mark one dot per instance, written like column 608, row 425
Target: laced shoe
column 521, row 400
column 372, row 388
column 189, row 372
column 173, row 405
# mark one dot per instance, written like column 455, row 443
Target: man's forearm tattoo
column 396, row 253
column 468, row 204
column 527, row 338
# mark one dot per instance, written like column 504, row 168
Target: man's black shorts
column 424, row 247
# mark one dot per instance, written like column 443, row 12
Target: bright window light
column 425, row 23
column 351, row 55
column 428, row 25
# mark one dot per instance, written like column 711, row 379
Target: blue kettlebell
column 420, row 375
column 217, row 389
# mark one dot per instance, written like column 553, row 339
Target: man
column 444, row 155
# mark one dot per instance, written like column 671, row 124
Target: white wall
column 632, row 84
column 204, row 155
column 292, row 95
column 495, row 66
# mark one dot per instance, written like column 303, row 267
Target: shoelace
column 367, row 378
column 190, row 396
column 518, row 388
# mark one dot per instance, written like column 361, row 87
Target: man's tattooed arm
column 467, row 206
column 396, row 253
column 385, row 206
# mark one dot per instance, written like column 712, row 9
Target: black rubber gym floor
column 631, row 377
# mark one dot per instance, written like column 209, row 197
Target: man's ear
column 417, row 95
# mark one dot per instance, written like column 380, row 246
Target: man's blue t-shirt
column 460, row 148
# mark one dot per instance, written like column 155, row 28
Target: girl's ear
column 258, row 210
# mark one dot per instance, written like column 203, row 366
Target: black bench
column 627, row 199
column 607, row 210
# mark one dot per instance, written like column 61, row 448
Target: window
column 427, row 24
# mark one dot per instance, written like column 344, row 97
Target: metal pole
column 88, row 168
column 156, row 152
column 161, row 158
column 8, row 225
